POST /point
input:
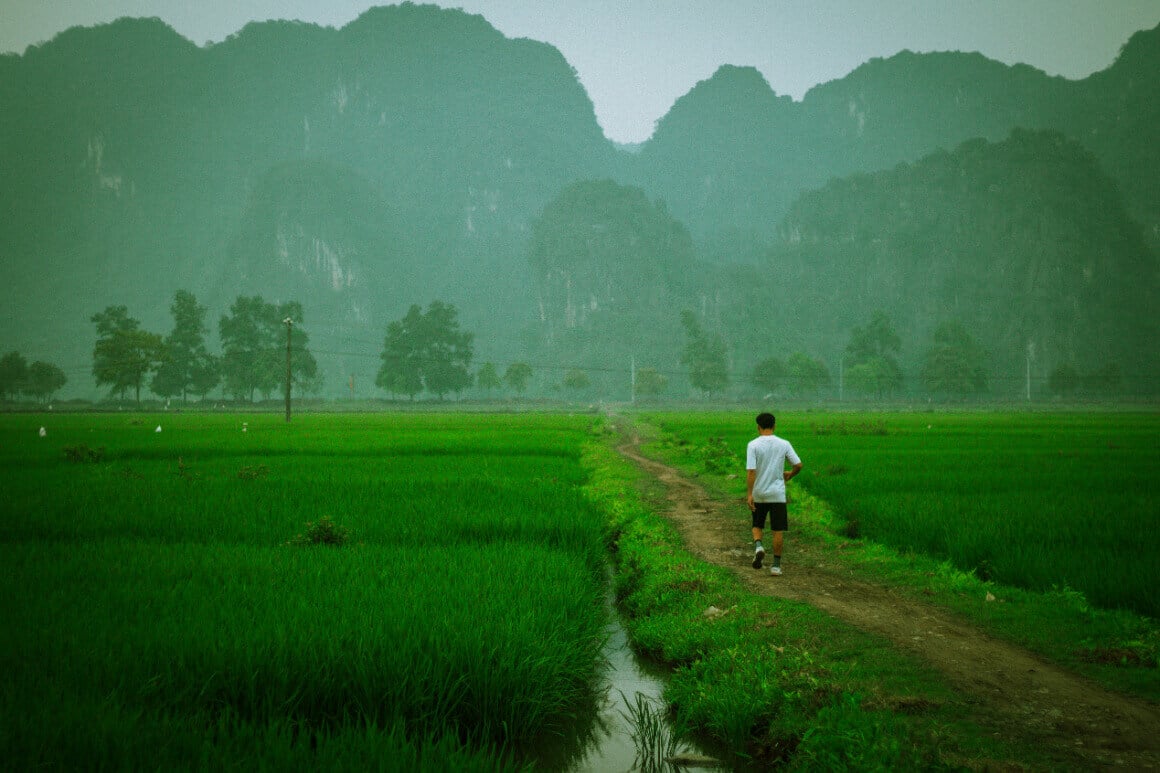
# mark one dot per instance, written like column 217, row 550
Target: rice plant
column 1031, row 500
column 656, row 743
column 157, row 593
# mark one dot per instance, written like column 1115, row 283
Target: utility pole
column 632, row 378
column 1030, row 357
column 289, row 326
column 1028, row 379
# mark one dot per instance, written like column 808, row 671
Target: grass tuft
column 324, row 531
column 654, row 739
column 82, row 454
column 253, row 471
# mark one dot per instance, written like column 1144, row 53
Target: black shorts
column 778, row 516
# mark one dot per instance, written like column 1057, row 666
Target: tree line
column 253, row 358
column 263, row 343
column 426, row 351
column 953, row 366
column 38, row 381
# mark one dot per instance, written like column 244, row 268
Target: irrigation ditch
column 632, row 727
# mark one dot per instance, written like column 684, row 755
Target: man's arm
column 750, row 479
column 790, row 473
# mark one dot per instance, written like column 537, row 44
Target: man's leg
column 758, row 548
column 778, row 523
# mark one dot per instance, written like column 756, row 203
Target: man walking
column 765, row 480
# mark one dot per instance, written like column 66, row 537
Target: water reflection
column 627, row 680
column 613, row 748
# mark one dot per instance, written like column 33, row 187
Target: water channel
column 612, row 748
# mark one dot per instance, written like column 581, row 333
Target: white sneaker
column 775, row 570
column 758, row 556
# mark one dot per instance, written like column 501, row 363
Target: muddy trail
column 1023, row 697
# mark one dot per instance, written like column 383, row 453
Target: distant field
column 155, row 615
column 1037, row 501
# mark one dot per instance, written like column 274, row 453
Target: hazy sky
column 636, row 57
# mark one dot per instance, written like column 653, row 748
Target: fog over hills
column 417, row 154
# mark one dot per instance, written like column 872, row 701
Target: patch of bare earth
column 1025, row 698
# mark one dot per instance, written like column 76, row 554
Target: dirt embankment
column 1080, row 723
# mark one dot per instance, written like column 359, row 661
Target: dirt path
column 1079, row 723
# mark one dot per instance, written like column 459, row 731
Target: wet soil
column 1024, row 698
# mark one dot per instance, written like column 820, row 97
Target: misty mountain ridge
column 884, row 112
column 409, row 156
column 1030, row 227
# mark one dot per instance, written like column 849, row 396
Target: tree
column 447, row 351
column 487, row 378
column 186, row 366
column 252, row 348
column 401, row 372
column 876, row 376
column 517, row 376
column 954, row 363
column 870, row 355
column 1105, row 381
column 44, row 380
column 806, row 376
column 123, row 354
column 576, row 380
column 253, row 338
column 768, row 374
column 650, row 382
column 1064, row 381
column 13, row 374
column 876, row 339
column 426, row 350
column 704, row 355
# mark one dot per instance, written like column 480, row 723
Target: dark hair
column 765, row 420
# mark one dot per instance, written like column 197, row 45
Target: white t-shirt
column 767, row 454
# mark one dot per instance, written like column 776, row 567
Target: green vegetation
column 331, row 593
column 487, row 378
column 517, row 376
column 954, row 365
column 426, row 350
column 772, row 681
column 650, row 383
column 186, row 366
column 705, row 356
column 1054, row 514
column 237, row 591
column 254, row 342
column 871, row 357
column 40, row 380
column 807, row 376
column 124, row 353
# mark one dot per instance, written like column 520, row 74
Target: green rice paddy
column 1039, row 501
column 165, row 606
column 156, row 615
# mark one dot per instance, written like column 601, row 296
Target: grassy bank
column 772, row 681
column 1047, row 514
